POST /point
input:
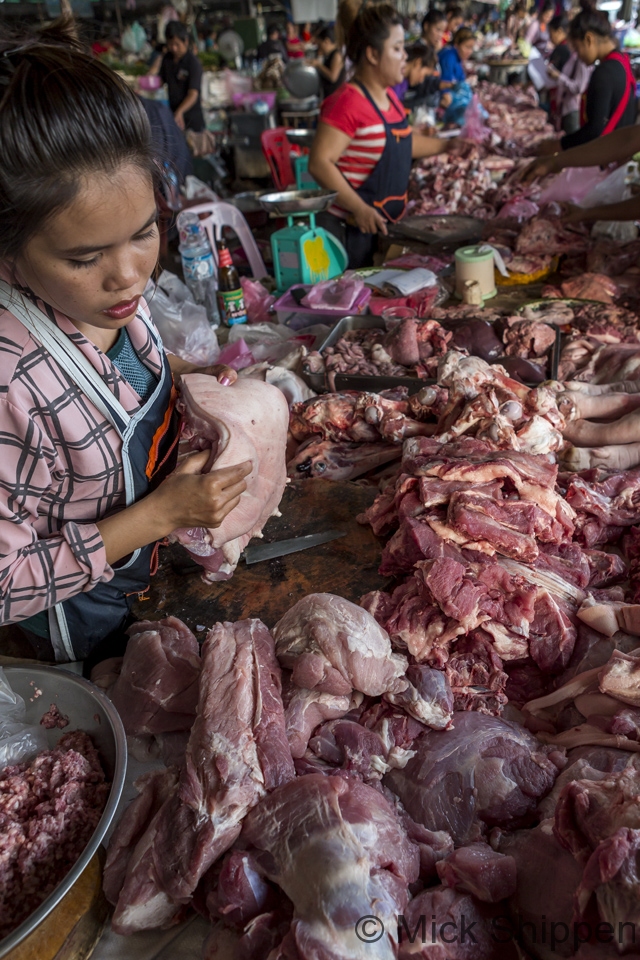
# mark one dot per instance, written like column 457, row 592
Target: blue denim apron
column 385, row 189
column 149, row 452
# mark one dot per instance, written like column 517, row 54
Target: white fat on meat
column 247, row 421
column 334, row 646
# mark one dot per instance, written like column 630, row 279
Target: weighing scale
column 302, row 252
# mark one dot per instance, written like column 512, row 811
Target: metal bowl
column 304, row 138
column 297, row 201
column 90, row 710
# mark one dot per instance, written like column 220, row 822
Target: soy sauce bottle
column 230, row 295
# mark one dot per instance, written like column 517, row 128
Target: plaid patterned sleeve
column 36, row 570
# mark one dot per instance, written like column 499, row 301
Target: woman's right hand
column 369, row 220
column 189, row 498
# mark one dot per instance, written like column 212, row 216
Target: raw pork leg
column 157, row 690
column 237, row 752
column 334, row 646
column 338, row 851
column 246, row 421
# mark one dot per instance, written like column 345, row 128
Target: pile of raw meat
column 309, row 790
column 414, row 347
column 340, row 436
column 515, row 119
column 49, row 808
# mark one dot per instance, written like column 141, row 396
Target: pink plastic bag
column 422, row 302
column 237, row 355
column 474, row 128
column 340, row 293
column 258, row 301
column 572, row 185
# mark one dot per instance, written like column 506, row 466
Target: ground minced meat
column 49, row 807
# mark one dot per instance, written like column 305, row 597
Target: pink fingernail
column 225, row 382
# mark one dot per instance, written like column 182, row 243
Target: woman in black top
column 181, row 70
column 610, row 99
column 331, row 65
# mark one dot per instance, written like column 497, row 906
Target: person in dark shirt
column 169, row 143
column 330, row 65
column 181, row 70
column 273, row 45
column 558, row 35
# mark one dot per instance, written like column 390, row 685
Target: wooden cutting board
column 73, row 928
column 348, row 567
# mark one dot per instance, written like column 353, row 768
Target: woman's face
column 92, row 260
column 390, row 63
column 466, row 49
column 587, row 49
column 434, row 34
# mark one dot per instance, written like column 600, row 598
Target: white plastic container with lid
column 477, row 264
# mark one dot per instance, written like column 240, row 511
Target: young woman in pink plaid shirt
column 88, row 431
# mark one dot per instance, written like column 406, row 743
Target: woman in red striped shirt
column 364, row 146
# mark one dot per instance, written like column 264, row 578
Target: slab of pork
column 337, row 849
column 237, row 752
column 247, row 421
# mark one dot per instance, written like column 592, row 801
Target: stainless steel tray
column 350, row 381
column 90, row 710
column 444, row 230
column 297, row 201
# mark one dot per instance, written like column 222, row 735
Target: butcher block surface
column 266, row 590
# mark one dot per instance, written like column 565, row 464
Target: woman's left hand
column 547, row 148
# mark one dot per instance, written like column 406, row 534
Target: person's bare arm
column 616, row 147
column 189, row 101
column 328, row 146
column 154, row 70
column 187, row 498
column 625, row 210
column 422, row 146
column 225, row 375
column 333, row 72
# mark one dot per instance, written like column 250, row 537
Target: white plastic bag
column 612, row 189
column 18, row 740
column 183, row 324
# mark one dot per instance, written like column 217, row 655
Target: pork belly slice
column 237, row 752
column 338, row 851
column 247, row 421
column 157, row 689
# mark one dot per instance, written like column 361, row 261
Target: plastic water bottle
column 198, row 265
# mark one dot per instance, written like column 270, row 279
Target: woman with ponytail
column 610, row 98
column 364, row 145
column 87, row 403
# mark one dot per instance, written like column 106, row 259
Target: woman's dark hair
column 589, row 20
column 176, row 30
column 63, row 115
column 433, row 17
column 559, row 23
column 462, row 36
column 454, row 11
column 326, row 33
column 371, row 28
column 547, row 7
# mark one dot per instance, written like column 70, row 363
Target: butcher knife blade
column 255, row 553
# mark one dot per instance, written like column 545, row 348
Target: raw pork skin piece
column 246, row 421
column 339, row 852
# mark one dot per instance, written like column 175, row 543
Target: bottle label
column 197, row 267
column 232, row 308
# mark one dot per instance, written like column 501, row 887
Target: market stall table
column 347, row 567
